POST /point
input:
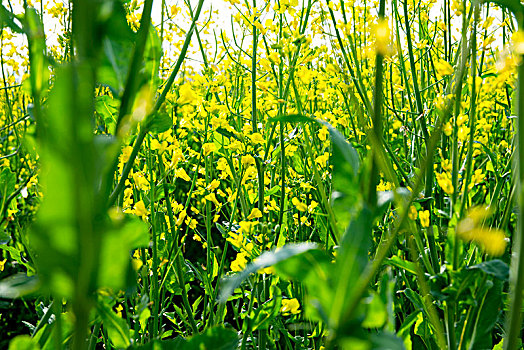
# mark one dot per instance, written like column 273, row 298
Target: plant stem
column 514, row 323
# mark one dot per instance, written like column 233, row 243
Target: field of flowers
column 261, row 174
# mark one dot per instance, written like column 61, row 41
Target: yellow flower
column 298, row 204
column 383, row 37
column 493, row 241
column 424, row 218
column 412, row 213
column 141, row 181
column 212, row 198
column 247, row 226
column 274, row 57
column 140, row 209
column 322, row 160
column 186, row 94
column 255, row 213
column 239, row 263
column 268, row 270
column 444, row 181
column 208, row 148
column 2, row 264
column 290, row 307
column 236, row 239
column 443, row 68
column 257, row 138
column 247, row 160
column 181, row 173
column 447, row 129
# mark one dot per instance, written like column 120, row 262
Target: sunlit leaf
column 265, row 260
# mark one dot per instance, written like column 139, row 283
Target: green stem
column 136, row 61
column 514, row 323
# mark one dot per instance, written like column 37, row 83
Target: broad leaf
column 265, row 260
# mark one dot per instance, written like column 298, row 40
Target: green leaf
column 18, row 285
column 352, row 259
column 37, row 47
column 107, row 108
column 267, row 311
column 23, row 342
column 312, row 269
column 344, row 154
column 487, row 316
column 496, row 268
column 386, row 341
column 115, row 256
column 53, row 235
column 513, row 5
column 14, row 253
column 415, row 299
column 117, row 46
column 152, row 54
column 159, row 122
column 216, row 338
column 7, row 186
column 116, row 327
column 177, row 343
column 265, row 260
column 376, row 314
column 402, row 264
column 7, row 19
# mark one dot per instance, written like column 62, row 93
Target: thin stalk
column 154, row 278
column 472, row 112
column 378, row 97
column 514, row 323
column 136, row 61
column 159, row 102
column 178, row 255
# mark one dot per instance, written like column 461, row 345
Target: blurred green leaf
column 23, row 342
column 37, row 48
column 18, row 285
column 53, row 235
column 345, row 189
column 352, row 259
column 376, row 314
column 386, row 341
column 7, row 19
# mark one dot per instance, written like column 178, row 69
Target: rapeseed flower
column 471, row 229
column 290, row 307
column 424, row 218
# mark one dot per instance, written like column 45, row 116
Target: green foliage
column 293, row 186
